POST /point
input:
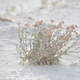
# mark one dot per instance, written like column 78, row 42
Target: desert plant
column 44, row 2
column 59, row 3
column 45, row 43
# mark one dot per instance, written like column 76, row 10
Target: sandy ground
column 30, row 11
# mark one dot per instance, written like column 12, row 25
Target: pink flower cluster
column 71, row 27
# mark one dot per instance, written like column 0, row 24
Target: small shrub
column 43, row 43
column 44, row 2
column 59, row 3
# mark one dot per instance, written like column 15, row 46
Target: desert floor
column 30, row 11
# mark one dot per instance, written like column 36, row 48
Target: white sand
column 29, row 11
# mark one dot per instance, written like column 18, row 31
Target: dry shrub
column 59, row 3
column 43, row 43
column 44, row 2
